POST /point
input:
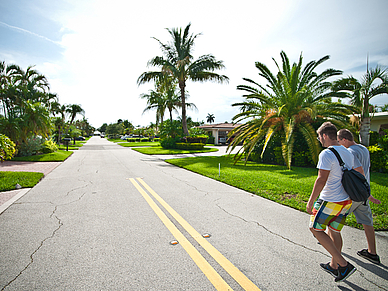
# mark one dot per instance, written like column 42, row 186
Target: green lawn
column 8, row 180
column 73, row 146
column 158, row 150
column 277, row 183
column 58, row 156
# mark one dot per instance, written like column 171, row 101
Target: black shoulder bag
column 354, row 183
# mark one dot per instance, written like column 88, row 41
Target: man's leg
column 337, row 239
column 330, row 246
column 370, row 238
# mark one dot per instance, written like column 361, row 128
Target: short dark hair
column 329, row 129
column 345, row 134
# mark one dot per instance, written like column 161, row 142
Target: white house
column 379, row 121
column 219, row 131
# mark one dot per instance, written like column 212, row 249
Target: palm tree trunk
column 182, row 86
column 364, row 131
column 170, row 115
column 365, row 124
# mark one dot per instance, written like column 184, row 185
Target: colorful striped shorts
column 332, row 214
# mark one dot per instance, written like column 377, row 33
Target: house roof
column 379, row 115
column 225, row 126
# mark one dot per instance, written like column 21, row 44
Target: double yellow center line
column 217, row 281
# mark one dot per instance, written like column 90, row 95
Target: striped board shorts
column 332, row 214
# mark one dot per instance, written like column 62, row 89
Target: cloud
column 29, row 32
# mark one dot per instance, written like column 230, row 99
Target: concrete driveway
column 109, row 218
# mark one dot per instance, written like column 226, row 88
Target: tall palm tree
column 210, row 118
column 373, row 83
column 73, row 110
column 178, row 62
column 290, row 101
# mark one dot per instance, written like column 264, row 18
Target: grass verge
column 277, row 183
column 139, row 144
column 72, row 146
column 58, row 156
column 158, row 150
column 8, row 180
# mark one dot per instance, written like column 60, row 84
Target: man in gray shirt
column 362, row 210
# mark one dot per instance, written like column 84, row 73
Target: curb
column 20, row 193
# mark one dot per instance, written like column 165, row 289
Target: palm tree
column 25, row 103
column 73, row 110
column 164, row 97
column 373, row 83
column 59, row 122
column 155, row 101
column 292, row 100
column 178, row 62
column 210, row 118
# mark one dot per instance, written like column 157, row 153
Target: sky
column 93, row 51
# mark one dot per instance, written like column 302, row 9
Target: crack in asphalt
column 273, row 233
column 60, row 224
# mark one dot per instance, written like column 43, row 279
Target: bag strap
column 341, row 162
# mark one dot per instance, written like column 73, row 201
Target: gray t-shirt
column 362, row 154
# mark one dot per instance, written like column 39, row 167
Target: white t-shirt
column 333, row 191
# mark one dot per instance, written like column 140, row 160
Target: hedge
column 189, row 146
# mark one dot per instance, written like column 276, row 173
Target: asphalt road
column 109, row 218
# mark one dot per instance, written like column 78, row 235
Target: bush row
column 142, row 139
column 189, row 146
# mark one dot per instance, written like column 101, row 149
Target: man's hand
column 309, row 207
column 374, row 200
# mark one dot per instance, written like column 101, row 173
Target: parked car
column 79, row 138
column 126, row 136
column 222, row 140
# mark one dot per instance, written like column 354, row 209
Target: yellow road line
column 224, row 262
column 205, row 267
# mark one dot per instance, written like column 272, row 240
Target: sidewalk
column 8, row 197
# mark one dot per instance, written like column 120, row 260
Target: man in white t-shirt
column 362, row 210
column 333, row 205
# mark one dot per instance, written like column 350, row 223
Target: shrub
column 195, row 131
column 31, row 147
column 168, row 143
column 211, row 139
column 378, row 159
column 171, row 129
column 195, row 139
column 133, row 139
column 49, row 146
column 302, row 159
column 7, row 148
column 189, row 146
